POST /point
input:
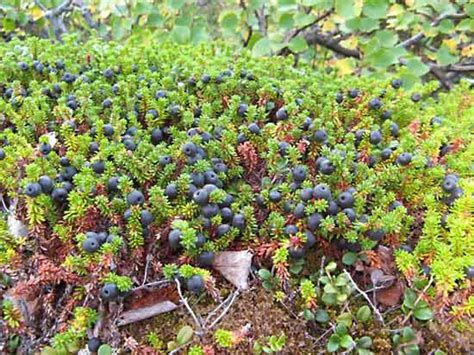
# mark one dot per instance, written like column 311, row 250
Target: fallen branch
column 316, row 342
column 234, row 296
column 420, row 35
column 316, row 37
column 136, row 315
column 376, row 311
column 186, row 304
column 179, row 348
column 151, row 284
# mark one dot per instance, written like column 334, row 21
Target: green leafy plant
column 406, row 341
column 416, row 306
column 336, row 289
column 224, row 338
column 270, row 345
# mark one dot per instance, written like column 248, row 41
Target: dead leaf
column 390, row 296
column 136, row 315
column 16, row 227
column 235, row 267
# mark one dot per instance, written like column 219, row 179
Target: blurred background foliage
column 418, row 39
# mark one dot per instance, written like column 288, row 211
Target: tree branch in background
column 86, row 14
column 420, row 35
column 262, row 20
column 56, row 16
column 316, row 20
column 315, row 37
column 243, row 5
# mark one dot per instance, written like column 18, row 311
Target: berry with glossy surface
column 91, row 245
column 46, row 183
column 109, row 292
column 146, row 218
column 281, row 114
column 322, row 191
column 94, row 344
column 404, row 159
column 59, row 194
column 195, row 284
column 174, row 239
column 206, row 258
column 135, row 198
column 33, row 189
column 345, row 200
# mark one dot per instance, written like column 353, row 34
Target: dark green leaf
column 345, row 319
column 286, row 21
column 322, row 316
column 333, row 343
column 155, row 20
column 386, row 38
column 176, row 4
column 298, row 44
column 264, row 274
column 349, row 258
column 364, row 342
column 363, row 313
column 346, row 341
column 416, row 66
column 184, row 335
column 408, row 335
column 444, row 57
column 229, row 20
column 262, row 47
column 308, row 315
column 423, row 313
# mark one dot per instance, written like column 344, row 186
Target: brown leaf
column 235, row 267
column 390, row 296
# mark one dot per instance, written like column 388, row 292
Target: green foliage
column 373, row 35
column 438, row 230
column 337, row 288
column 419, row 307
column 184, row 335
column 270, row 345
column 68, row 340
column 124, row 283
column 405, row 341
column 224, row 338
column 155, row 341
column 105, row 349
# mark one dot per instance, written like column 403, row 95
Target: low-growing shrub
column 110, row 154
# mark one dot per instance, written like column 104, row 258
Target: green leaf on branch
column 262, row 47
column 423, row 313
column 416, row 67
column 444, row 56
column 375, row 9
column 229, row 20
column 345, row 8
column 333, row 343
column 363, row 314
column 181, row 34
column 298, row 44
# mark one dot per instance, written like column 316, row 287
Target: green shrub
column 265, row 135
